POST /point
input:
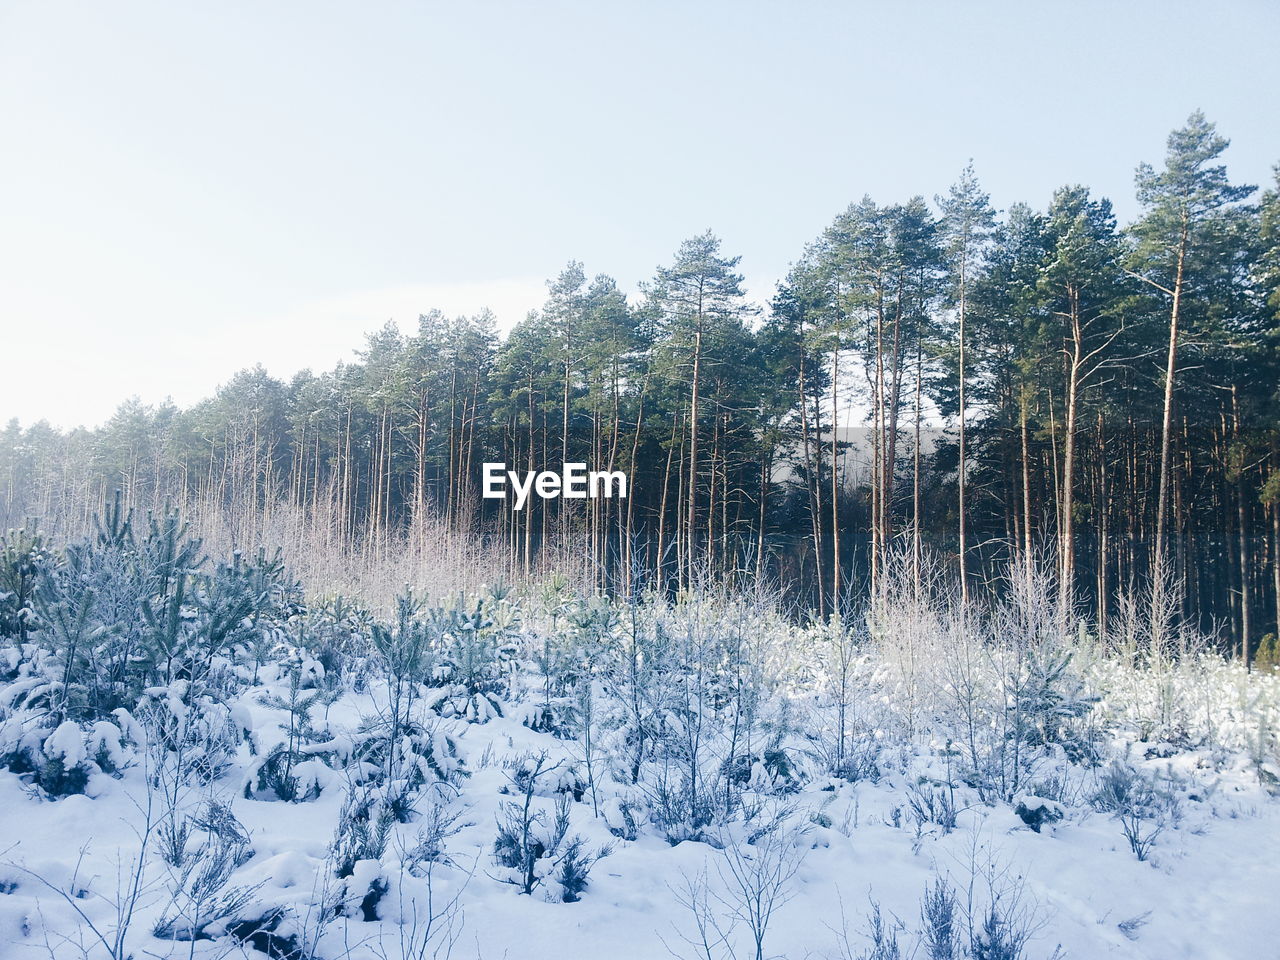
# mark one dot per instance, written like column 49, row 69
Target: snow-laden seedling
column 930, row 803
column 203, row 901
column 476, row 644
column 1037, row 812
column 288, row 770
column 533, row 846
column 1143, row 807
column 64, row 770
column 437, row 823
column 363, row 831
column 23, row 562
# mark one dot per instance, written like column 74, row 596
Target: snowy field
column 542, row 776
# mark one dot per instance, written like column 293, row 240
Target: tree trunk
column 1242, row 530
column 1166, row 430
column 691, row 538
column 1066, row 530
column 961, row 451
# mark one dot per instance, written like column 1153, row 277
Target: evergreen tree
column 698, row 309
column 967, row 219
column 1190, row 214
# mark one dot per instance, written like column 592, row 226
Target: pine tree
column 699, row 307
column 967, row 220
column 1081, row 282
column 1189, row 209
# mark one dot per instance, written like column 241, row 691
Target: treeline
column 1109, row 397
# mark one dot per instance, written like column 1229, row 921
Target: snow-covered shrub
column 1047, row 691
column 337, row 632
column 883, row 937
column 74, row 608
column 286, row 770
column 117, row 611
column 756, row 866
column 24, row 561
column 129, row 609
column 203, row 902
column 60, row 759
column 532, row 848
column 1141, row 805
column 1035, row 811
column 27, row 716
column 189, row 729
column 421, row 755
column 403, row 747
column 438, row 823
column 841, row 669
column 636, row 676
column 276, row 933
column 759, row 870
column 242, row 610
column 989, row 920
column 105, row 744
column 557, row 716
column 166, row 561
column 363, row 831
column 1053, row 695
column 246, row 609
column 406, row 651
column 941, row 922
column 276, row 596
column 999, row 918
column 523, row 839
column 553, row 649
column 624, row 816
column 572, row 654
column 771, row 770
column 684, row 807
column 591, row 629
column 64, row 770
column 476, row 639
column 21, row 739
column 533, row 773
column 1196, row 699
column 12, row 662
column 286, row 775
column 1007, row 683
column 573, row 872
column 931, row 803
column 190, row 740
column 996, row 938
column 710, row 715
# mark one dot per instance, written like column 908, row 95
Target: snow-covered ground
column 1182, row 754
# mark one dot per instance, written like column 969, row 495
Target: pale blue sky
column 189, row 188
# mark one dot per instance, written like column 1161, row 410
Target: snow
column 1031, row 803
column 128, row 726
column 66, row 744
column 104, row 739
column 1205, row 893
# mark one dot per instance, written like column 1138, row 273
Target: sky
column 187, row 189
